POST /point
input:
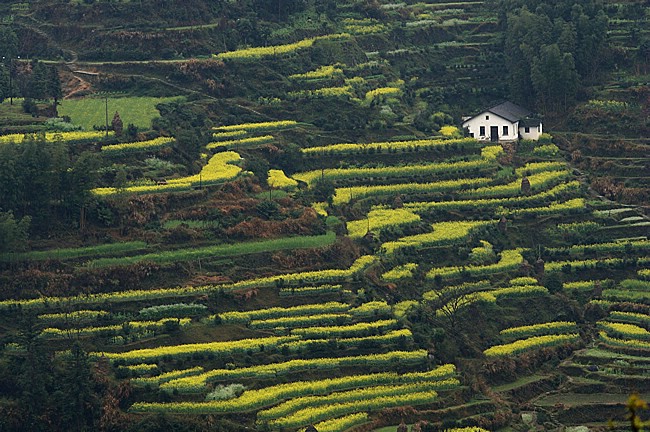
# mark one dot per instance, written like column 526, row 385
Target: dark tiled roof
column 529, row 121
column 509, row 111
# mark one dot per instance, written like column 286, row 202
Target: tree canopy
column 550, row 48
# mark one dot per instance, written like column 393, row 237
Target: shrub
column 222, row 392
column 545, row 138
column 546, row 150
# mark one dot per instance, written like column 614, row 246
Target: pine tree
column 38, row 81
column 4, row 82
column 54, row 85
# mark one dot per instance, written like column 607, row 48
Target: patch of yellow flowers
column 139, row 146
column 401, row 146
column 278, row 179
column 421, row 170
column 629, row 331
column 539, row 329
column 342, row 423
column 255, row 399
column 56, row 136
column 533, row 343
column 344, row 195
column 260, row 52
column 257, row 127
column 197, row 382
column 380, row 219
column 242, row 142
column 444, row 234
column 510, row 259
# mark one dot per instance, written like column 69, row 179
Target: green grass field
column 74, row 253
column 88, row 112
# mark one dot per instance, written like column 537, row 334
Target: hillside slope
column 286, row 227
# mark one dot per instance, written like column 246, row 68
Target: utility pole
column 11, row 90
column 106, row 100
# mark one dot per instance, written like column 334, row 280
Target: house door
column 494, row 133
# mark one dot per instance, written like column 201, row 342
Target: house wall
column 474, row 125
column 533, row 134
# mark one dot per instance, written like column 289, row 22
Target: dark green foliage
column 554, row 78
column 430, row 121
column 4, row 82
column 186, row 122
column 8, row 44
column 13, row 233
column 39, row 81
column 259, row 167
column 162, row 422
column 553, row 282
column 50, row 394
column 288, row 159
column 37, row 87
column 279, row 9
column 30, row 107
column 323, row 190
column 38, row 179
column 550, row 47
column 268, row 209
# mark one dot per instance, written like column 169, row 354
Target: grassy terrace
column 220, row 251
column 74, row 253
column 88, row 112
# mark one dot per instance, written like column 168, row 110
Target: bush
column 225, row 392
column 172, row 310
column 30, row 107
column 553, row 282
column 527, row 145
column 545, row 138
column 268, row 209
column 61, row 125
column 547, row 150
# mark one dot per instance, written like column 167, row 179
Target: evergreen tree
column 8, row 44
column 38, row 83
column 54, row 90
column 554, row 78
column 549, row 51
column 13, row 233
column 4, row 82
column 78, row 404
column 80, row 180
column 10, row 185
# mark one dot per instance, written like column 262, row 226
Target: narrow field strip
column 198, row 382
column 220, row 251
column 256, row 399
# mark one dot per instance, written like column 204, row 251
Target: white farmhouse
column 503, row 122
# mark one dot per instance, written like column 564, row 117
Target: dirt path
column 82, row 86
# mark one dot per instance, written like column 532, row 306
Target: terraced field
column 307, row 238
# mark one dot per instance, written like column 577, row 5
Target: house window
column 527, row 129
column 482, row 131
column 487, row 117
column 505, row 130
